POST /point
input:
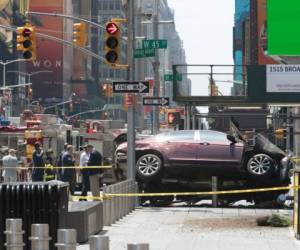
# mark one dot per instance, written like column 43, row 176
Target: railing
column 115, row 208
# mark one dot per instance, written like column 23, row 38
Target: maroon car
column 197, row 154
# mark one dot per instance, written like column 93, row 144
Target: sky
column 205, row 26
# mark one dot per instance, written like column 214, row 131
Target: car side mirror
column 231, row 138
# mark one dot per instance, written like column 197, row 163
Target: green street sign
column 155, row 44
column 141, row 53
column 169, row 77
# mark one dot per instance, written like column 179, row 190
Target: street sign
column 141, row 53
column 155, row 44
column 156, row 101
column 131, row 87
column 169, row 77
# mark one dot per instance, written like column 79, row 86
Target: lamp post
column 4, row 63
column 29, row 75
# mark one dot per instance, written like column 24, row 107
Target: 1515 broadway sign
column 283, row 78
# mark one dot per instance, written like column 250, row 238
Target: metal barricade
column 116, row 208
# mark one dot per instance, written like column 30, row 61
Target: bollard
column 39, row 237
column 66, row 239
column 111, row 208
column 214, row 188
column 99, row 242
column 105, row 206
column 14, row 234
column 138, row 246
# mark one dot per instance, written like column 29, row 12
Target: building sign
column 283, row 78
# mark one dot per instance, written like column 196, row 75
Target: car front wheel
column 149, row 167
column 260, row 165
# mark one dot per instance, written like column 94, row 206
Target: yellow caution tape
column 238, row 191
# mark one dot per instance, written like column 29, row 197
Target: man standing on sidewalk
column 69, row 174
column 95, row 160
column 84, row 158
column 38, row 163
column 10, row 164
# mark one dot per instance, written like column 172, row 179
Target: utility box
column 86, row 217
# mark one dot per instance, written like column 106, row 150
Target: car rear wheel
column 149, row 167
column 260, row 165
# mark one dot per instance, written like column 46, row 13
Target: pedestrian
column 59, row 160
column 49, row 166
column 84, row 158
column 10, row 166
column 38, row 163
column 69, row 174
column 95, row 160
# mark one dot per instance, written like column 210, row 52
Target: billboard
column 48, row 86
column 283, row 26
column 261, row 42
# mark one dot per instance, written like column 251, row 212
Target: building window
column 111, row 73
column 105, row 5
column 111, row 4
column 118, row 5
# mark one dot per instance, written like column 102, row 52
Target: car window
column 181, row 135
column 210, row 135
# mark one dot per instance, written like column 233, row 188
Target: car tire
column 149, row 167
column 260, row 166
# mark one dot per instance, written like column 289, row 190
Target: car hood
column 262, row 143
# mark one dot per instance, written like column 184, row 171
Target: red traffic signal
column 112, row 28
column 27, row 32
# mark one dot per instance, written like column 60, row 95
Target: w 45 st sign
column 155, row 44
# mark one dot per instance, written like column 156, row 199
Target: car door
column 181, row 147
column 216, row 150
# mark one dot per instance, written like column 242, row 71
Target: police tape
column 104, row 196
column 55, row 167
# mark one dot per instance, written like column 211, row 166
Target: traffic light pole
column 155, row 64
column 131, row 108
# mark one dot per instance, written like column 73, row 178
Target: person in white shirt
column 84, row 158
column 10, row 165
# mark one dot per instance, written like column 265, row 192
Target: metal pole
column 131, row 108
column 214, row 188
column 140, row 246
column 4, row 76
column 155, row 65
column 66, row 239
column 99, row 242
column 14, row 234
column 39, row 237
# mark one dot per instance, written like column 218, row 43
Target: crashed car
column 200, row 154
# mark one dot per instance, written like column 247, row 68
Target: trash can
column 34, row 203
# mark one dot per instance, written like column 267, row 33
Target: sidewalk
column 199, row 228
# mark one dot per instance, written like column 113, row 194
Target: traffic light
column 214, row 90
column 173, row 118
column 26, row 41
column 280, row 133
column 112, row 44
column 79, row 34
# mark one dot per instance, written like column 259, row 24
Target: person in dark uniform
column 95, row 160
column 38, row 163
column 49, row 164
column 69, row 174
column 59, row 160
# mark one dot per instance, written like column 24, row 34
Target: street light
column 4, row 75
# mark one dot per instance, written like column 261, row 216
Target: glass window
column 111, row 5
column 118, row 5
column 209, row 135
column 105, row 5
column 181, row 135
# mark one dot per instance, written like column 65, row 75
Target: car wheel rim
column 260, row 164
column 149, row 165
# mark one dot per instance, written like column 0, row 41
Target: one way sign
column 131, row 87
column 156, row 101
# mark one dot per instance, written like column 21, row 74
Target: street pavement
column 178, row 228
